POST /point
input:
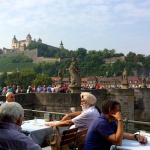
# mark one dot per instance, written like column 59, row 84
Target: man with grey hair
column 11, row 117
column 82, row 119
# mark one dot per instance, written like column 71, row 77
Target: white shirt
column 84, row 120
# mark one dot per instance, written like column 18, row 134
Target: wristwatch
column 135, row 136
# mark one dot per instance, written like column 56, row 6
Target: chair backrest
column 68, row 137
column 80, row 138
column 73, row 130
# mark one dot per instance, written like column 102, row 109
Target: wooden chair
column 68, row 137
column 79, row 139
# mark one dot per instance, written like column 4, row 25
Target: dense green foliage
column 91, row 63
column 42, row 79
column 24, row 78
column 50, row 51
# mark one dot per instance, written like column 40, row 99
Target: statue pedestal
column 124, row 86
column 75, row 89
column 144, row 86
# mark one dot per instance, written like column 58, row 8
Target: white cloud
column 90, row 19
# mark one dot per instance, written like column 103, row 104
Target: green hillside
column 7, row 65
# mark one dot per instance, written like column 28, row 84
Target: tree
column 42, row 79
column 11, row 79
column 112, row 52
column 106, row 53
column 139, row 58
column 3, row 77
column 81, row 52
column 130, row 57
column 26, row 77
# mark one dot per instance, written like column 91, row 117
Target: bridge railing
column 30, row 114
column 139, row 123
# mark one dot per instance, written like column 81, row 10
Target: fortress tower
column 22, row 44
column 28, row 39
column 61, row 45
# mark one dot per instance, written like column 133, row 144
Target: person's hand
column 142, row 139
column 50, row 124
column 117, row 116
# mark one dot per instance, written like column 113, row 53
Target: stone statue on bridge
column 75, row 77
column 124, row 75
column 144, row 82
column 124, row 80
column 75, row 73
column 60, row 77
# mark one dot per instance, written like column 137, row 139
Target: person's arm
column 61, row 123
column 129, row 136
column 137, row 137
column 118, row 136
column 74, row 114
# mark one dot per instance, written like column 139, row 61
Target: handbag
column 55, row 139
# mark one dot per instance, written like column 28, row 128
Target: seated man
column 11, row 116
column 107, row 129
column 83, row 119
column 10, row 97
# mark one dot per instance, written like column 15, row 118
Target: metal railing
column 30, row 114
column 126, row 122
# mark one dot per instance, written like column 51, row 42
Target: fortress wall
column 32, row 54
column 114, row 59
column 142, row 104
column 52, row 60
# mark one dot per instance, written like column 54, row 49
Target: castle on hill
column 19, row 46
column 22, row 44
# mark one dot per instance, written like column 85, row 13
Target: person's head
column 10, row 97
column 87, row 100
column 12, row 113
column 110, row 107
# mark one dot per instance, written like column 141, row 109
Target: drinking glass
column 72, row 109
column 141, row 140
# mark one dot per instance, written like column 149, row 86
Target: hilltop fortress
column 22, row 44
column 20, row 47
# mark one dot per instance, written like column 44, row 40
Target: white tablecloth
column 134, row 145
column 38, row 131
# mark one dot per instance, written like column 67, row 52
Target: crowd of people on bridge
column 54, row 88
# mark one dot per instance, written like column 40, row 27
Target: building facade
column 22, row 44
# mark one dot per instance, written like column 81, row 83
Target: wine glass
column 72, row 109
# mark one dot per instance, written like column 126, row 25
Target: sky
column 123, row 25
